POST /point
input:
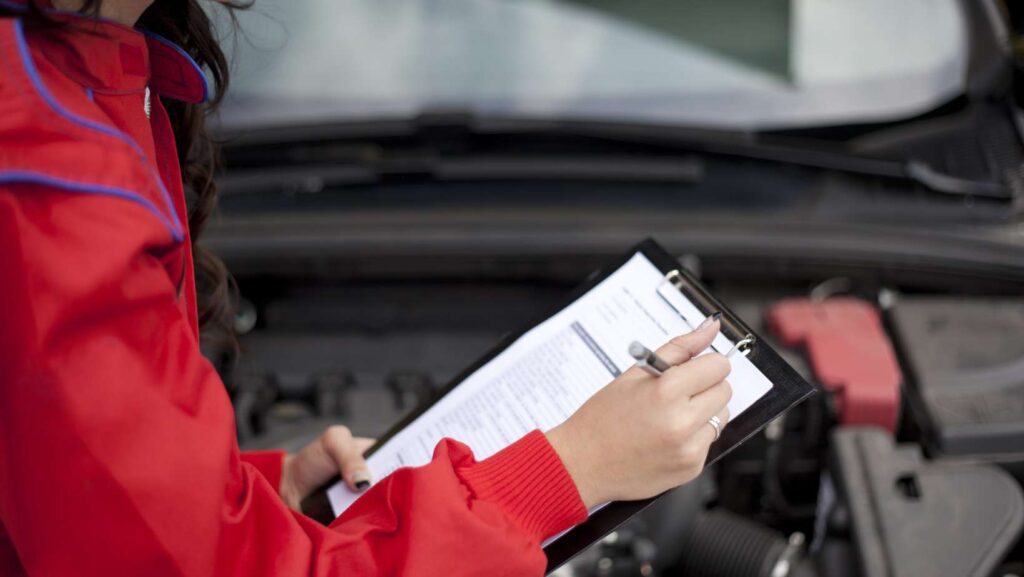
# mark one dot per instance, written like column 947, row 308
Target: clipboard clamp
column 732, row 327
column 743, row 347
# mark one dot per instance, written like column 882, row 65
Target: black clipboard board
column 788, row 389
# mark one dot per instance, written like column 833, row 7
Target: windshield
column 741, row 64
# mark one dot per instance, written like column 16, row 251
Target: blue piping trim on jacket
column 20, row 7
column 30, row 68
column 30, row 177
column 181, row 52
column 88, row 93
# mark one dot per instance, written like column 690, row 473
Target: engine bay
column 914, row 471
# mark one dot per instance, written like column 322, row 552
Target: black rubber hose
column 723, row 544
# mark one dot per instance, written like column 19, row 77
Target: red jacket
column 117, row 440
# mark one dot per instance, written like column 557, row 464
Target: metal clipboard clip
column 732, row 328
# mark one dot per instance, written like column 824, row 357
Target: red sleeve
column 117, row 442
column 268, row 463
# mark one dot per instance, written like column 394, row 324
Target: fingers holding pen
column 679, row 350
column 685, row 347
column 682, row 388
column 695, row 377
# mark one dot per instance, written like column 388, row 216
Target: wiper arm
column 743, row 145
column 935, row 181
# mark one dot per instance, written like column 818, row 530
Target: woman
column 117, row 446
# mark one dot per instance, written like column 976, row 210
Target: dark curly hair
column 185, row 23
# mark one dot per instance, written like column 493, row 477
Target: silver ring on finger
column 716, row 424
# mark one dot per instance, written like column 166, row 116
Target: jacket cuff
column 529, row 482
column 270, row 464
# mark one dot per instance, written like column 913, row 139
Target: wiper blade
column 444, row 128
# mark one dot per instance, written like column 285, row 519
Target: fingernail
column 361, row 480
column 709, row 320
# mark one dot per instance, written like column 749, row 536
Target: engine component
column 252, row 395
column 911, row 517
column 849, row 352
column 331, row 393
column 723, row 544
column 623, row 553
column 410, row 388
column 970, row 391
column 246, row 316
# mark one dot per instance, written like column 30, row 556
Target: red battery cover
column 850, row 354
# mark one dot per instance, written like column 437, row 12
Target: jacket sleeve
column 270, row 464
column 117, row 446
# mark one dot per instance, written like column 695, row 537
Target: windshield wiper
column 347, row 143
column 752, row 146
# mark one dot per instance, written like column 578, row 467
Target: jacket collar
column 109, row 57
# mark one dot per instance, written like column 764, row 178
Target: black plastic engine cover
column 966, row 361
column 911, row 517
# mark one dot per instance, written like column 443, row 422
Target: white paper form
column 550, row 371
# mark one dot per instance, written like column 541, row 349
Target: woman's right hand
column 641, row 435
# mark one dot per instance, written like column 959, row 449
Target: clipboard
column 788, row 389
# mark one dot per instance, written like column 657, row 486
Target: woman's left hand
column 336, row 451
